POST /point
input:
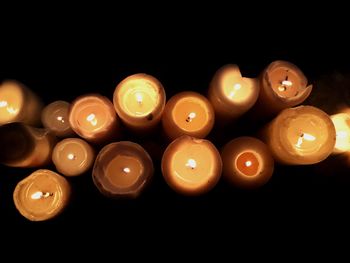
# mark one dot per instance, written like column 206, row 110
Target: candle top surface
column 55, row 117
column 11, row 101
column 248, row 163
column 341, row 122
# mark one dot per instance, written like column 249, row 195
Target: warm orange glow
column 341, row 123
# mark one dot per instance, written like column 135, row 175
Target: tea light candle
column 341, row 122
column 231, row 94
column 122, row 170
column 24, row 146
column 18, row 104
column 73, row 156
column 42, row 195
column 139, row 101
column 191, row 166
column 247, row 163
column 55, row 118
column 300, row 135
column 93, row 118
column 188, row 113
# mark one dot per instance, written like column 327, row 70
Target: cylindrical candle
column 24, row 146
column 18, row 104
column 247, row 162
column 191, row 166
column 42, row 195
column 188, row 113
column 139, row 101
column 93, row 117
column 231, row 94
column 73, row 156
column 55, row 118
column 300, row 135
column 341, row 122
column 122, row 170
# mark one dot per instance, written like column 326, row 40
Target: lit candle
column 231, row 94
column 93, row 118
column 73, row 156
column 191, row 166
column 188, row 113
column 341, row 122
column 300, row 135
column 42, row 195
column 139, row 101
column 18, row 104
column 24, row 146
column 122, row 170
column 247, row 162
column 55, row 118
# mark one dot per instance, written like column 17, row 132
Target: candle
column 231, row 94
column 55, row 118
column 188, row 113
column 341, row 122
column 93, row 118
column 24, row 146
column 300, row 135
column 122, row 170
column 42, row 195
column 191, row 166
column 18, row 104
column 73, row 156
column 139, row 101
column 247, row 162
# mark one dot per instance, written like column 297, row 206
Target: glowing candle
column 191, row 166
column 341, row 122
column 300, row 135
column 18, row 104
column 42, row 195
column 188, row 113
column 247, row 162
column 122, row 170
column 139, row 101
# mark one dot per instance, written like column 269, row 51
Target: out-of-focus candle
column 341, row 122
column 300, row 135
column 55, row 118
column 188, row 113
column 18, row 104
column 93, row 117
column 24, row 146
column 73, row 156
column 42, row 195
column 139, row 101
column 191, row 166
column 231, row 94
column 247, row 162
column 122, row 170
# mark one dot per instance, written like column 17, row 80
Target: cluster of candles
column 190, row 164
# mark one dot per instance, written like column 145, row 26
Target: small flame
column 305, row 136
column 3, row 103
column 60, row 118
column 38, row 195
column 248, row 163
column 126, row 170
column 287, row 83
column 236, row 87
column 191, row 116
column 139, row 97
column 71, row 156
column 191, row 163
column 92, row 119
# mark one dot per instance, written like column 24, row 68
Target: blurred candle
column 42, row 195
column 139, row 101
column 24, row 146
column 55, row 118
column 73, row 156
column 93, row 118
column 300, row 135
column 247, row 163
column 188, row 113
column 341, row 122
column 191, row 166
column 122, row 170
column 18, row 104
column 231, row 94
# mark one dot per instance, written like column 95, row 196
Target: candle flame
column 60, row 118
column 127, row 170
column 39, row 195
column 191, row 163
column 92, row 119
column 248, row 163
column 71, row 156
column 139, row 97
column 191, row 116
column 236, row 87
column 287, row 83
column 305, row 136
column 3, row 103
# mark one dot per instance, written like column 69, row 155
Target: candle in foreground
column 139, row 101
column 300, row 135
column 122, row 170
column 24, row 146
column 42, row 195
column 55, row 118
column 191, row 166
column 247, row 162
column 188, row 113
column 73, row 156
column 341, row 122
column 93, row 118
column 18, row 104
column 231, row 94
